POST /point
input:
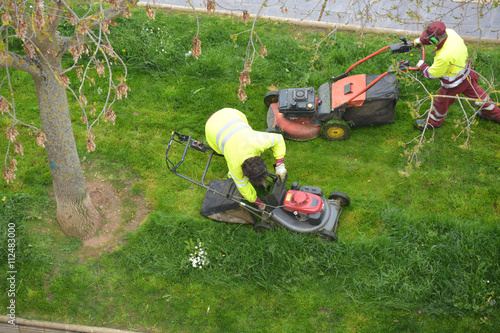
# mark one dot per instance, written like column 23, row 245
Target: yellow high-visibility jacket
column 227, row 131
column 450, row 62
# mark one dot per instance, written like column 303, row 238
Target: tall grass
column 415, row 254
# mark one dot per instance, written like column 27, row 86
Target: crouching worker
column 455, row 72
column 228, row 133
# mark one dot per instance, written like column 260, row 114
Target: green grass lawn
column 415, row 254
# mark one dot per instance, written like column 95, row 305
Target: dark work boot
column 421, row 124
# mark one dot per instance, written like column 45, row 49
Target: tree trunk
column 76, row 213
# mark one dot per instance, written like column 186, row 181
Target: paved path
column 347, row 12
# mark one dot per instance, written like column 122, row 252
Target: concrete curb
column 319, row 24
column 36, row 326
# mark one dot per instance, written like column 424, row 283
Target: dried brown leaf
column 196, row 46
column 241, row 95
column 108, row 49
column 39, row 18
column 22, row 28
column 105, row 27
column 263, row 51
column 82, row 28
column 51, row 18
column 6, row 18
column 245, row 17
column 99, row 68
column 90, row 144
column 210, row 6
column 79, row 72
column 18, row 148
column 83, row 99
column 76, row 51
column 72, row 19
column 29, row 49
column 13, row 163
column 244, row 78
column 11, row 134
column 150, row 12
column 40, row 138
column 4, row 105
column 121, row 90
column 110, row 115
column 126, row 13
column 8, row 175
column 64, row 80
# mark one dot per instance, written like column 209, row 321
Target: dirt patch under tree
column 122, row 212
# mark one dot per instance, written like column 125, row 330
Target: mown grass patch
column 415, row 254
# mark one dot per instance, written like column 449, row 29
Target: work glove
column 417, row 42
column 260, row 204
column 420, row 63
column 281, row 171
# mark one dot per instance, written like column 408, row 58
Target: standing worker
column 455, row 72
column 228, row 133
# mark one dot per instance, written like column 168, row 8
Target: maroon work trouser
column 470, row 89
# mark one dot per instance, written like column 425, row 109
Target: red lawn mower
column 346, row 102
column 302, row 209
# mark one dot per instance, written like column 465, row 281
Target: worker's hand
column 420, row 63
column 417, row 42
column 260, row 204
column 281, row 171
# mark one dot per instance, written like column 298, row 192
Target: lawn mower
column 343, row 103
column 302, row 209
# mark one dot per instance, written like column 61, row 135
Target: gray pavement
column 382, row 15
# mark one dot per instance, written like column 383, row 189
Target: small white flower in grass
column 198, row 257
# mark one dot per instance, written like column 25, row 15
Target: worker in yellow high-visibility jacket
column 452, row 68
column 228, row 133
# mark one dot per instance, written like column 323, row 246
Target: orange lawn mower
column 341, row 104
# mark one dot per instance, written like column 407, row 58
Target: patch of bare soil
column 121, row 212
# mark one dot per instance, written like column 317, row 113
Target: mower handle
column 403, row 66
column 422, row 56
column 189, row 143
column 402, row 47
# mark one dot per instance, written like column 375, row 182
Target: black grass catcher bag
column 219, row 208
column 379, row 106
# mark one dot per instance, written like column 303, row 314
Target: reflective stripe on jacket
column 450, row 62
column 228, row 133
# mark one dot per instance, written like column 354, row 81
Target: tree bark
column 76, row 214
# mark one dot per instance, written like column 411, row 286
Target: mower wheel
column 343, row 198
column 261, row 227
column 271, row 97
column 328, row 235
column 335, row 131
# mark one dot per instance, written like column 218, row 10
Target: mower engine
column 297, row 102
column 306, row 207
